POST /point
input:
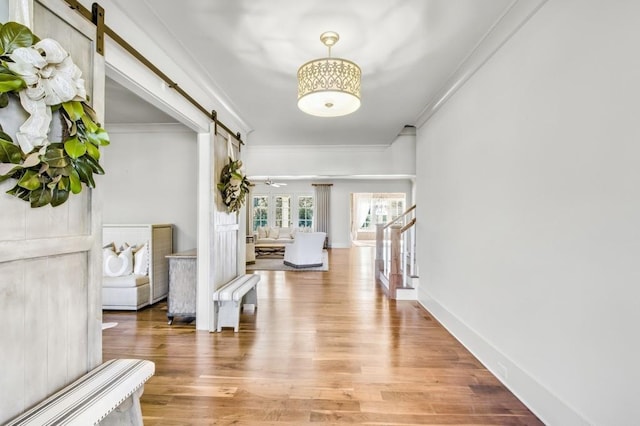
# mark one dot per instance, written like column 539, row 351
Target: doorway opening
column 370, row 209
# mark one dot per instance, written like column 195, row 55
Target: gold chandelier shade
column 329, row 87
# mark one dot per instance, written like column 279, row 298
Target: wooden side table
column 183, row 277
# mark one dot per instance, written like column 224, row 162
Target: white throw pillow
column 262, row 232
column 141, row 260
column 117, row 265
column 274, row 233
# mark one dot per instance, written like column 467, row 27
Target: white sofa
column 268, row 235
column 271, row 242
column 305, row 251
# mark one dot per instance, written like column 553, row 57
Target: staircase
column 396, row 269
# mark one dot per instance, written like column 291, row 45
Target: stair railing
column 395, row 252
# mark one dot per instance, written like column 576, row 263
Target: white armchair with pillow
column 305, row 251
column 137, row 274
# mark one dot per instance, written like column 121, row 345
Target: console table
column 183, row 277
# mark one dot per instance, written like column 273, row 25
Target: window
column 280, row 211
column 260, row 211
column 305, row 212
column 371, row 209
column 367, row 221
column 396, row 208
column 283, row 211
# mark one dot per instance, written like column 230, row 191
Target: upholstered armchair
column 305, row 251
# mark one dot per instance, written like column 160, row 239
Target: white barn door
column 50, row 257
column 226, row 229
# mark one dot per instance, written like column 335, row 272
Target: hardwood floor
column 322, row 348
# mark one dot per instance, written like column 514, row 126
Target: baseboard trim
column 543, row 403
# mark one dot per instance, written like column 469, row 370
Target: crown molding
column 317, row 148
column 257, row 178
column 147, row 128
column 514, row 17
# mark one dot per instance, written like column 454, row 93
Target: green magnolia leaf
column 5, row 136
column 85, row 172
column 55, row 156
column 21, row 193
column 40, row 197
column 99, row 137
column 73, row 109
column 74, row 182
column 4, row 100
column 9, row 153
column 64, row 171
column 75, row 148
column 14, row 35
column 94, row 164
column 30, row 180
column 10, row 82
column 54, row 172
column 59, row 196
column 93, row 151
column 89, row 124
column 63, row 184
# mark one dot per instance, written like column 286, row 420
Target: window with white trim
column 282, row 210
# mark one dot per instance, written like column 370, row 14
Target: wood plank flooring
column 322, row 348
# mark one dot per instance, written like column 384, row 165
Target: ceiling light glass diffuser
column 329, row 87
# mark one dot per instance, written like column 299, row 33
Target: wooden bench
column 229, row 298
column 107, row 395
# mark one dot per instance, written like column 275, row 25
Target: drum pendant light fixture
column 329, row 87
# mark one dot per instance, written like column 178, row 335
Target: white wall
column 151, row 177
column 4, row 11
column 341, row 191
column 329, row 160
column 529, row 196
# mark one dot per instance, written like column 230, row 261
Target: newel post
column 395, row 273
column 379, row 249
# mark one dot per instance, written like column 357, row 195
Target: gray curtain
column 323, row 209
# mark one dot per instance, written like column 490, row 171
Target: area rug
column 263, row 264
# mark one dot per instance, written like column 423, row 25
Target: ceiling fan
column 269, row 182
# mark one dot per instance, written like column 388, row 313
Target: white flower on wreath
column 52, row 78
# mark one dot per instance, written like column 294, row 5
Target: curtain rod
column 96, row 16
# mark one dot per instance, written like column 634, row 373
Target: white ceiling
column 250, row 50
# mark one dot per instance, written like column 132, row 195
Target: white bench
column 229, row 298
column 107, row 395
